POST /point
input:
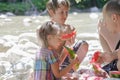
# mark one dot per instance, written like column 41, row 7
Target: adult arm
column 107, row 56
column 101, row 32
column 104, row 44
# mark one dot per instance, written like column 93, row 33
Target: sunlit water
column 83, row 22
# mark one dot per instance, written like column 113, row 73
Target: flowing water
column 83, row 22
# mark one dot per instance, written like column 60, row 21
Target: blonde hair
column 48, row 28
column 55, row 4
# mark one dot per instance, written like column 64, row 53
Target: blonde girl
column 47, row 64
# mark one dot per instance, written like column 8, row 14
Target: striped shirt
column 44, row 59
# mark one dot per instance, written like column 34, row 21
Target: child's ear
column 49, row 37
column 114, row 17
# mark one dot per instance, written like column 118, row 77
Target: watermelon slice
column 72, row 56
column 96, row 67
column 95, row 57
column 69, row 35
column 115, row 74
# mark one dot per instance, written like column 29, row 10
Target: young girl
column 48, row 59
column 58, row 12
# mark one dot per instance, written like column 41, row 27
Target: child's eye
column 64, row 12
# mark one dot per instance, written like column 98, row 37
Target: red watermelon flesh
column 115, row 74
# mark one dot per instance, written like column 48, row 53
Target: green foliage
column 17, row 8
column 83, row 4
column 101, row 3
column 77, row 1
column 40, row 4
column 3, row 7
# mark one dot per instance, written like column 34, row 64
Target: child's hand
column 70, row 42
column 75, row 61
column 71, row 34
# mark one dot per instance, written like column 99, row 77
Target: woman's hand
column 108, row 56
column 100, row 60
column 101, row 23
column 104, row 57
column 118, row 53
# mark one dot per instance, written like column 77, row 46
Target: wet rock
column 93, row 15
column 94, row 9
column 10, row 38
column 2, row 69
column 15, row 54
column 9, row 77
column 5, row 45
column 30, row 36
column 27, row 20
column 30, row 47
column 10, row 14
column 3, row 16
column 3, row 57
column 7, row 20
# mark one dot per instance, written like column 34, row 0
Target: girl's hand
column 75, row 61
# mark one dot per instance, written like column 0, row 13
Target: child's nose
column 65, row 15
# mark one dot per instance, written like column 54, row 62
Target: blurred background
column 21, row 7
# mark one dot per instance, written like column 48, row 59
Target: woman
column 109, row 32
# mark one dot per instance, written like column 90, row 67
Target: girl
column 48, row 59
